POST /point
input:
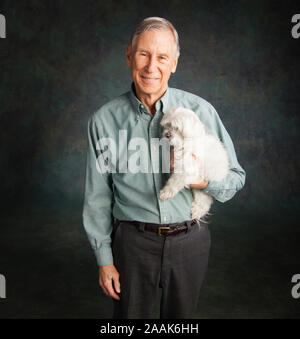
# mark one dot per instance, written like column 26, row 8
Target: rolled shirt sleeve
column 235, row 179
column 98, row 200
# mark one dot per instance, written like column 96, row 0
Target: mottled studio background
column 61, row 60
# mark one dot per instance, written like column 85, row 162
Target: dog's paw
column 166, row 194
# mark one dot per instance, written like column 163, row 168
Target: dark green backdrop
column 61, row 60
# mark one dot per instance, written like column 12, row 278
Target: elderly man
column 141, row 243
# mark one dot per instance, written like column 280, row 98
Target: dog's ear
column 178, row 122
column 168, row 116
column 165, row 120
column 193, row 127
column 186, row 126
column 171, row 111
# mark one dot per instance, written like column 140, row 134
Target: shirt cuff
column 209, row 187
column 214, row 186
column 104, row 256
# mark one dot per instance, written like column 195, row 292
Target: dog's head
column 180, row 123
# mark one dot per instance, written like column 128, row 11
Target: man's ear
column 174, row 64
column 128, row 55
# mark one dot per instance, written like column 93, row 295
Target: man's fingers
column 109, row 276
column 111, row 291
column 108, row 290
column 197, row 159
column 172, row 160
column 116, row 282
column 104, row 289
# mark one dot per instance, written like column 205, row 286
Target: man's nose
column 151, row 65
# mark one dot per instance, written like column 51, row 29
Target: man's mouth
column 149, row 79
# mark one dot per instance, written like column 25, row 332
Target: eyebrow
column 144, row 50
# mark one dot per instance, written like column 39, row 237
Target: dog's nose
column 167, row 134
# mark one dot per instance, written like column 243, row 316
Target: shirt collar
column 138, row 106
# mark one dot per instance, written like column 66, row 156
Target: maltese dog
column 187, row 135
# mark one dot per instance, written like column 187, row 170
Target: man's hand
column 199, row 183
column 107, row 275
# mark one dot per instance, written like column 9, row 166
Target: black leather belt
column 163, row 229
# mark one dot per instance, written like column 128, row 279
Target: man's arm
column 235, row 180
column 98, row 201
column 97, row 214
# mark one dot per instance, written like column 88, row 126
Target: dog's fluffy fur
column 187, row 135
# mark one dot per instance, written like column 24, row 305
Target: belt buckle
column 164, row 228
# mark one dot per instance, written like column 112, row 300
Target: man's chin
column 149, row 88
column 152, row 88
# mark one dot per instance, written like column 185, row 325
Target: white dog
column 187, row 135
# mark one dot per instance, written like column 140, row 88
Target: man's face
column 152, row 61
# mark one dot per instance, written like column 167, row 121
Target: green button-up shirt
column 125, row 195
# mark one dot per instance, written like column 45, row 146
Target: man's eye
column 162, row 58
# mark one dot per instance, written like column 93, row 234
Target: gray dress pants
column 147, row 262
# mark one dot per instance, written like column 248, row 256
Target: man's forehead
column 159, row 49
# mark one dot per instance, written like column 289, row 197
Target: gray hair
column 155, row 23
